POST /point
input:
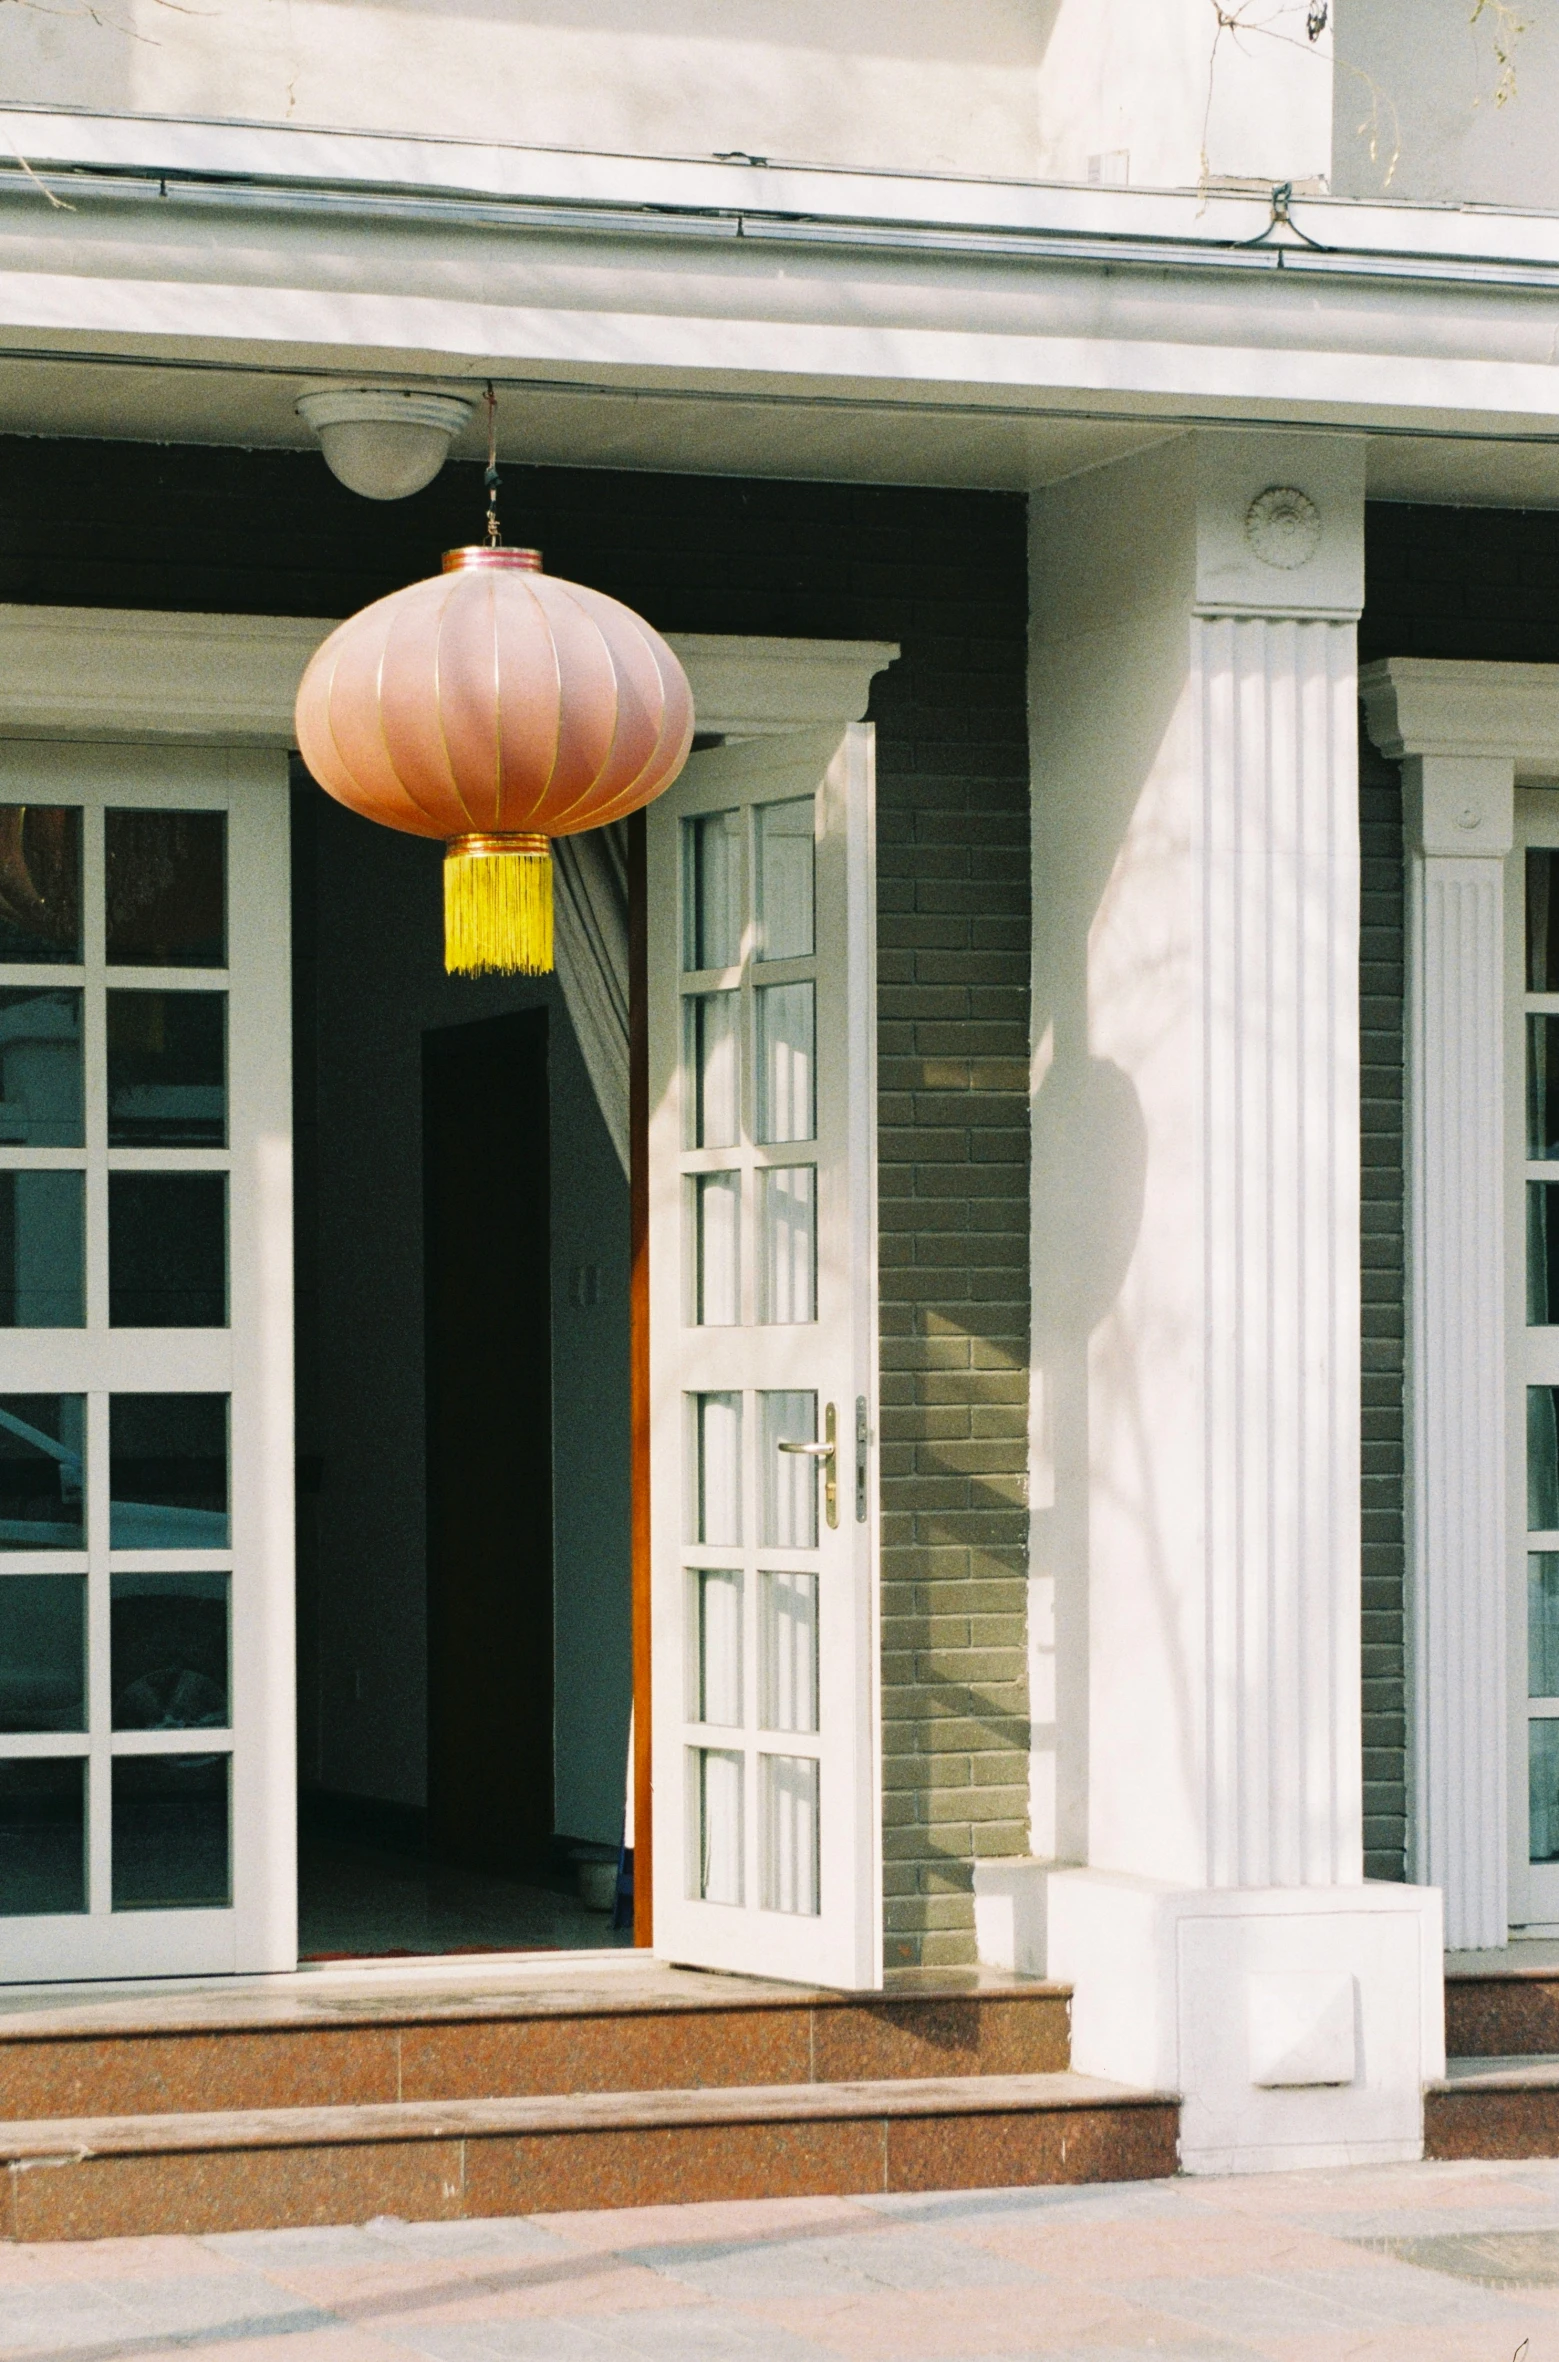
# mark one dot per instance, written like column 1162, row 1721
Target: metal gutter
column 1098, row 250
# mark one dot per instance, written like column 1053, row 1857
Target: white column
column 1459, row 816
column 1197, row 943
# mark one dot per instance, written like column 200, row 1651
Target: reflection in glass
column 43, row 1652
column 171, row 1832
column 167, row 889
column 719, row 1697
column 1542, row 1254
column 40, row 884
column 1543, row 1789
column 713, row 1059
column 167, row 1476
column 788, row 1785
column 167, row 1070
column 1542, row 919
column 789, row 1517
column 1542, row 1087
column 716, row 1463
column 40, row 1066
column 169, row 1642
column 786, row 1108
column 42, row 1481
column 718, row 1788
column 785, row 922
column 1543, row 1624
column 42, row 1267
column 712, row 890
column 43, row 1835
column 788, row 1651
column 717, row 1200
column 167, row 1250
column 1542, row 1460
column 787, row 1267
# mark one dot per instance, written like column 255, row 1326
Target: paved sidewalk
column 1437, row 2263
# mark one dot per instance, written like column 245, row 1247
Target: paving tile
column 949, row 2325
column 689, row 2334
column 831, row 2264
column 1283, row 2303
column 714, row 2221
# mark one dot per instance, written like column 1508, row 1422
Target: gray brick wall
column 953, row 952
column 1380, row 1093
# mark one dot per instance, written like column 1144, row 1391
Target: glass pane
column 788, row 1661
column 786, row 1102
column 713, row 1060
column 1542, row 1254
column 1542, row 1460
column 170, row 1832
column 785, row 880
column 718, row 1778
column 169, row 1644
column 719, row 1693
column 1543, row 1790
column 42, row 1269
column 789, row 1478
column 718, row 1200
column 715, row 1511
column 789, row 1789
column 1542, row 919
column 1543, row 1624
column 40, row 883
column 167, row 889
column 40, row 1067
column 43, row 1659
column 787, row 1266
column 43, row 1836
column 167, row 1250
column 712, row 890
column 167, row 1475
column 167, row 1070
column 42, row 1482
column 1543, row 1086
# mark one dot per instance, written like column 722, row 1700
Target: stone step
column 1503, row 2012
column 332, row 2041
column 242, row 2169
column 1494, row 2107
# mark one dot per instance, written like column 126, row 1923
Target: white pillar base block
column 1298, row 2024
column 1009, row 1913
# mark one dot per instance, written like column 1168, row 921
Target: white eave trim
column 122, row 674
column 1416, row 705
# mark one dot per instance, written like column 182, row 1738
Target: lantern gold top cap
column 482, row 553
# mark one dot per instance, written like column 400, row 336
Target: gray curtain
column 590, row 929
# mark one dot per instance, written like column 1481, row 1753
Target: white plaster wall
column 1116, row 1293
column 922, row 84
column 1419, row 83
column 1161, row 93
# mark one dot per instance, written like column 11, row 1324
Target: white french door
column 763, row 1357
column 146, row 1754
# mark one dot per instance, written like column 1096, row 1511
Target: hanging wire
column 490, row 479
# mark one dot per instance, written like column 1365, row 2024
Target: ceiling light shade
column 384, row 441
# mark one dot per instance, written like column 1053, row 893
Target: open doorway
column 464, row 1623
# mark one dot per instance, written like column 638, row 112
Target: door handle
column 828, row 1453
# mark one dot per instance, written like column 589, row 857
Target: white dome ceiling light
column 385, row 442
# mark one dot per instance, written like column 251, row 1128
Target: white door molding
column 1464, row 733
column 116, row 673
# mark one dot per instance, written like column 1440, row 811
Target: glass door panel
column 763, row 1354
column 145, row 1446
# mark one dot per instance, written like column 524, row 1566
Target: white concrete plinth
column 1009, row 1913
column 1298, row 2024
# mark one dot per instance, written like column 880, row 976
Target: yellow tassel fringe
column 498, row 906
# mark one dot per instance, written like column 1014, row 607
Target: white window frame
column 1467, row 735
column 189, row 711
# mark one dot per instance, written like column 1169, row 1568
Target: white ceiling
column 723, row 430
